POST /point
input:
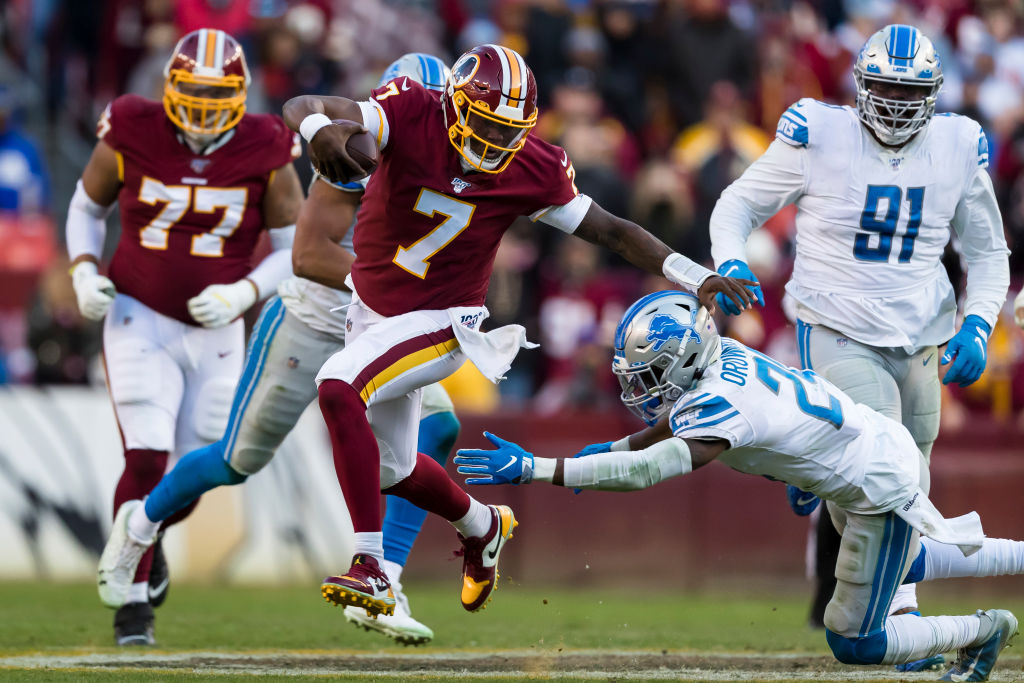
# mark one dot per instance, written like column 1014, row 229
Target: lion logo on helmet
column 664, row 328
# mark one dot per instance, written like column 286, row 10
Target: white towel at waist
column 964, row 531
column 491, row 352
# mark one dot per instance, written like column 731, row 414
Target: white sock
column 997, row 556
column 910, row 637
column 393, row 570
column 476, row 522
column 139, row 592
column 370, row 543
column 142, row 527
column 905, row 597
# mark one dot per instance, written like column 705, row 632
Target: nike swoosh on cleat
column 160, row 588
column 805, row 501
column 511, row 461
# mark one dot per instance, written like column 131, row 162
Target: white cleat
column 400, row 626
column 120, row 559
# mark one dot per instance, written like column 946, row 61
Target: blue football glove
column 739, row 269
column 591, row 450
column 802, row 502
column 968, row 351
column 508, row 464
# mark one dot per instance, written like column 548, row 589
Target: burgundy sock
column 143, row 469
column 429, row 487
column 356, row 458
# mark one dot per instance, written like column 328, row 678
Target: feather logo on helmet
column 664, row 328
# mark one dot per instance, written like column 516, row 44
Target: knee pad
column 131, row 373
column 391, row 470
column 867, row 650
column 922, row 407
column 213, row 407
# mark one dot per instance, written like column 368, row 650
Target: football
column 362, row 147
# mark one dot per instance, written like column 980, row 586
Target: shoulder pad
column 792, row 128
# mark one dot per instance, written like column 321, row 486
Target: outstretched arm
column 610, row 471
column 646, row 251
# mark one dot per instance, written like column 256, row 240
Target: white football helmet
column 663, row 344
column 897, row 55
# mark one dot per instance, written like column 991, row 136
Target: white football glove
column 218, row 305
column 95, row 292
column 1018, row 308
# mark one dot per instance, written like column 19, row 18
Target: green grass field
column 60, row 632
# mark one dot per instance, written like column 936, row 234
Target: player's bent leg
column 922, row 399
column 483, row 529
column 438, row 430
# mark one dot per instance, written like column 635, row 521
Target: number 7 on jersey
column 416, row 257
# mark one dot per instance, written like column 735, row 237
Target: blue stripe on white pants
column 890, row 567
column 262, row 337
column 803, row 343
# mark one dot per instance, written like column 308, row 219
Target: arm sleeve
column 376, row 121
column 86, row 226
column 979, row 226
column 629, row 470
column 776, row 179
column 277, row 266
column 566, row 217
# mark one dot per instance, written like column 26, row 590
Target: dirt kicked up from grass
column 59, row 632
column 518, row 665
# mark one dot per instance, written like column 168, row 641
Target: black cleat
column 133, row 624
column 159, row 577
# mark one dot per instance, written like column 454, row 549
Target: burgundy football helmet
column 206, row 82
column 490, row 105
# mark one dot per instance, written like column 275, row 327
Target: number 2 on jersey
column 177, row 199
column 770, row 370
column 886, row 226
column 416, row 257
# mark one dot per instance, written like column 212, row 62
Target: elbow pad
column 86, row 226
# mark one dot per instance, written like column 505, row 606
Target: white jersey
column 318, row 306
column 794, row 426
column 872, row 223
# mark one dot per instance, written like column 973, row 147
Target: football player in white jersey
column 877, row 188
column 709, row 397
column 297, row 331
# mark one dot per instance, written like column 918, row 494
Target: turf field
column 59, row 632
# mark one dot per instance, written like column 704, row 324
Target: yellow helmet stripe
column 211, row 48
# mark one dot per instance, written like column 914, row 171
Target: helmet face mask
column 490, row 106
column 205, row 85
column 898, row 75
column 663, row 345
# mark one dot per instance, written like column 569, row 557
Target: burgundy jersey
column 187, row 220
column 427, row 232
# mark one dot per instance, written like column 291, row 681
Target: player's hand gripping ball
column 344, row 152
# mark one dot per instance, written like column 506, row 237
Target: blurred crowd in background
column 659, row 103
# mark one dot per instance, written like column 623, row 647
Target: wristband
column 311, row 124
column 621, row 445
column 685, row 272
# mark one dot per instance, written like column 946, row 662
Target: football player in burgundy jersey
column 455, row 170
column 197, row 179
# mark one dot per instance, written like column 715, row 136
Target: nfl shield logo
column 199, row 165
column 841, row 342
column 293, row 362
column 458, row 184
column 894, row 163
